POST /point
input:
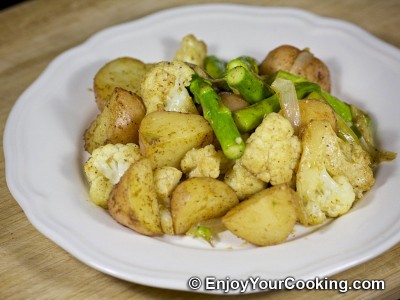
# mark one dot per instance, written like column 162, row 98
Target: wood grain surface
column 32, row 34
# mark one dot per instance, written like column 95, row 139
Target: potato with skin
column 133, row 201
column 316, row 110
column 233, row 101
column 123, row 72
column 198, row 199
column 118, row 123
column 316, row 71
column 166, row 136
column 298, row 62
column 280, row 58
column 266, row 218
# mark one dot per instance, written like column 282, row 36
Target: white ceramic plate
column 44, row 156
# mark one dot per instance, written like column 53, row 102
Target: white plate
column 43, row 147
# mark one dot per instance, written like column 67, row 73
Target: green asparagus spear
column 248, row 84
column 214, row 66
column 342, row 108
column 305, row 88
column 244, row 61
column 250, row 117
column 316, row 96
column 285, row 75
column 216, row 69
column 219, row 117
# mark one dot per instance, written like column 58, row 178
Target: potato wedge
column 299, row 62
column 198, row 199
column 133, row 201
column 118, row 123
column 166, row 136
column 316, row 110
column 124, row 72
column 266, row 218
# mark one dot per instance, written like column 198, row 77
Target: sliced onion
column 302, row 60
column 166, row 221
column 288, row 100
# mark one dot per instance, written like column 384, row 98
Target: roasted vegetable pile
column 182, row 145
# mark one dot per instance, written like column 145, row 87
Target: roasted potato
column 280, row 58
column 316, row 110
column 118, row 123
column 233, row 101
column 198, row 199
column 124, row 72
column 133, row 201
column 266, row 218
column 166, row 136
column 299, row 62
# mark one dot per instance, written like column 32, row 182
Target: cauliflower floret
column 192, row 51
column 203, row 162
column 272, row 151
column 105, row 168
column 324, row 195
column 354, row 163
column 164, row 88
column 243, row 182
column 332, row 174
column 166, row 179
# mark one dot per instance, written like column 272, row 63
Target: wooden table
column 31, row 35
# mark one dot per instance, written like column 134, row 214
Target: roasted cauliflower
column 203, row 162
column 272, row 151
column 166, row 179
column 243, row 182
column 332, row 173
column 164, row 88
column 105, row 168
column 192, row 51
